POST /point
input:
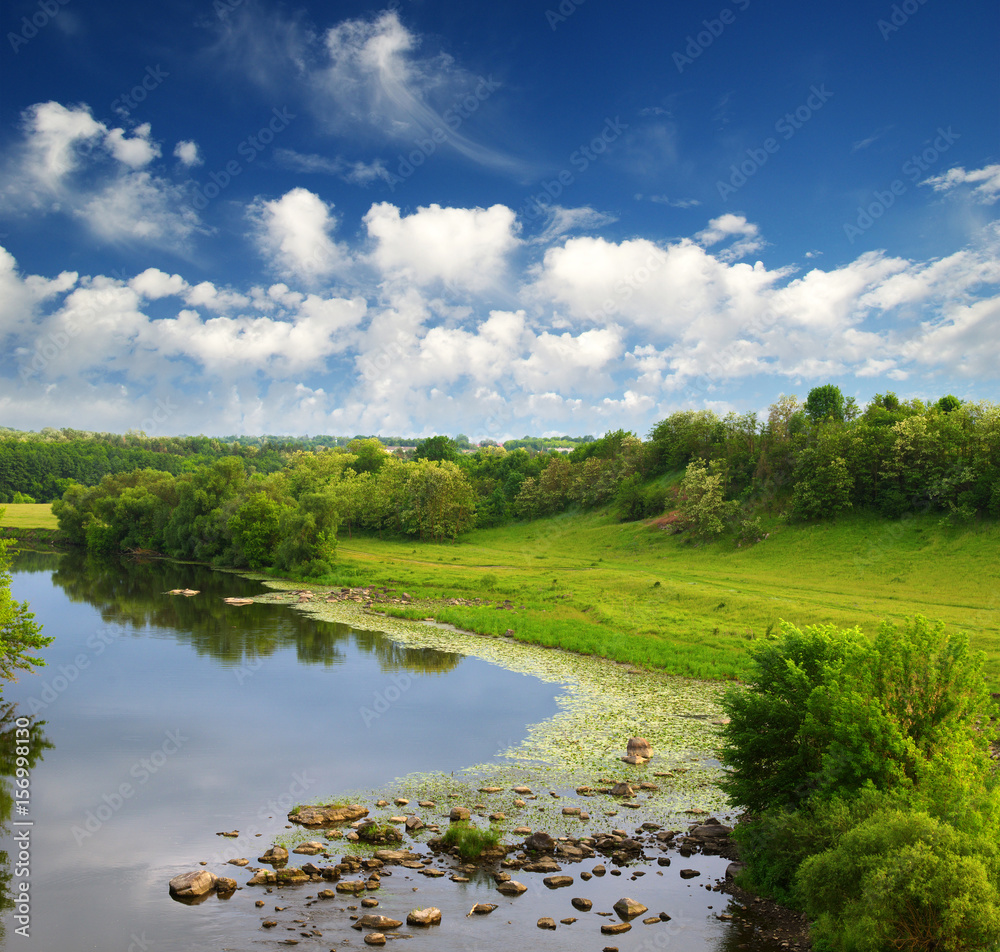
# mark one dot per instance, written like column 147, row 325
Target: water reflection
column 133, row 593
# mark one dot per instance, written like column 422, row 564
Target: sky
column 537, row 217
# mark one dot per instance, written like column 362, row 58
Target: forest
column 277, row 504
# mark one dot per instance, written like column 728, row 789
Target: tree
column 703, row 504
column 19, row 632
column 436, row 449
column 826, row 402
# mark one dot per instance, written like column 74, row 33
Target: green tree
column 20, row 634
column 826, row 402
column 437, row 449
column 703, row 504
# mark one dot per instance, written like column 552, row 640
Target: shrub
column 827, row 711
column 904, row 880
column 470, row 840
column 703, row 503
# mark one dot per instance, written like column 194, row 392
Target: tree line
column 256, row 504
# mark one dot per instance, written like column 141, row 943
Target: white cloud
column 69, row 163
column 986, row 191
column 137, row 151
column 375, row 77
column 732, row 226
column 154, row 284
column 293, row 232
column 613, row 331
column 53, row 134
column 465, row 247
column 139, row 206
column 188, row 152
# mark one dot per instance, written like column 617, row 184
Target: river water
column 162, row 720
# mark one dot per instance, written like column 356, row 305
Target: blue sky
column 235, row 216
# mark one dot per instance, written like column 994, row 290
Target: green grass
column 589, row 584
column 27, row 516
column 470, row 840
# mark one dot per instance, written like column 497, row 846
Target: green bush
column 903, row 880
column 470, row 840
column 826, row 712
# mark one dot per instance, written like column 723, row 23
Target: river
column 163, row 720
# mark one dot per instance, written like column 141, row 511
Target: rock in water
column 190, row 885
column 629, row 908
column 328, row 816
column 376, row 922
column 276, row 856
column 430, row 916
column 639, row 747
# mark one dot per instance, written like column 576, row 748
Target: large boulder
column 193, row 884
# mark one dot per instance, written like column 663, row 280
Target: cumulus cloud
column 188, row 152
column 293, row 232
column 135, row 151
column 68, row 162
column 986, row 180
column 604, row 330
column 732, row 226
column 464, row 247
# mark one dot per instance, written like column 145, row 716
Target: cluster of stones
column 538, row 853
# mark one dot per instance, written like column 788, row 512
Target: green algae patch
column 601, row 705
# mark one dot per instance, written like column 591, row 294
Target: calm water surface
column 167, row 719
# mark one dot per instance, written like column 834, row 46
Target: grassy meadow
column 635, row 594
column 27, row 516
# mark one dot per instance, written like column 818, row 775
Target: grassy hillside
column 637, row 595
column 27, row 516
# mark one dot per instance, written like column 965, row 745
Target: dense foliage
column 287, row 519
column 42, row 465
column 20, row 634
column 872, row 798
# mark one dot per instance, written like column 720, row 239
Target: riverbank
column 637, row 595
column 618, row 830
